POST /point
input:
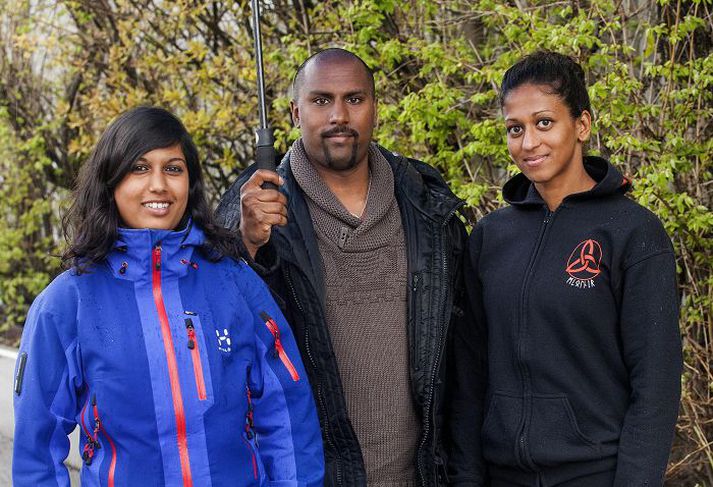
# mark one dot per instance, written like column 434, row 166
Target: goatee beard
column 341, row 165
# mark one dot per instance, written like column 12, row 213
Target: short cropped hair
column 330, row 54
column 562, row 74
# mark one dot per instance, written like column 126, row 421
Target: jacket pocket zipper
column 196, row 357
column 252, row 455
column 93, row 439
column 279, row 349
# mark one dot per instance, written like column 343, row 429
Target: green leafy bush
column 69, row 66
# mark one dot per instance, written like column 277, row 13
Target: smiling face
column 154, row 193
column 335, row 110
column 543, row 138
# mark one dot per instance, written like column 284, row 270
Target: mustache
column 340, row 130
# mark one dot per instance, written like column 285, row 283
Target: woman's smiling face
column 154, row 193
column 543, row 138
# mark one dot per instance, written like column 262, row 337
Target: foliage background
column 69, row 66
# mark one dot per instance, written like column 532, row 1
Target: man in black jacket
column 364, row 248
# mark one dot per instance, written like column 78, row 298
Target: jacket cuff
column 266, row 260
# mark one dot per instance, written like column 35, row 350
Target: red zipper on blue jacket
column 279, row 349
column 176, row 396
column 93, row 440
column 196, row 358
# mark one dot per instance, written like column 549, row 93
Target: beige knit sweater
column 365, row 269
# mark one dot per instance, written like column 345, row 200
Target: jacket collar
column 422, row 186
column 131, row 256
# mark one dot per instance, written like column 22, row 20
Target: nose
column 339, row 114
column 530, row 139
column 157, row 181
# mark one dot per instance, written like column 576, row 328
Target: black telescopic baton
column 264, row 138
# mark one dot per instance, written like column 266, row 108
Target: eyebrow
column 533, row 113
column 173, row 159
column 328, row 94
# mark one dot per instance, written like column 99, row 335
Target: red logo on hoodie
column 583, row 263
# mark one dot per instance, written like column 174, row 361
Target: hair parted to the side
column 91, row 224
column 329, row 54
column 560, row 73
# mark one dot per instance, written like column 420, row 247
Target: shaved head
column 328, row 56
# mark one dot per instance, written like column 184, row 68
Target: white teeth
column 155, row 205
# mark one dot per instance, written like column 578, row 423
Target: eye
column 514, row 130
column 354, row 100
column 544, row 123
column 173, row 168
column 139, row 167
column 320, row 101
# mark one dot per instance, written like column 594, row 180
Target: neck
column 556, row 190
column 350, row 187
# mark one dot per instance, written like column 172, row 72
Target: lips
column 534, row 161
column 340, row 134
column 156, row 205
column 157, row 208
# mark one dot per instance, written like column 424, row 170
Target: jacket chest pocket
column 193, row 344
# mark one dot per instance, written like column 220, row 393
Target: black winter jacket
column 580, row 311
column 291, row 265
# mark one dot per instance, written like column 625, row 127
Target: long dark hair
column 91, row 223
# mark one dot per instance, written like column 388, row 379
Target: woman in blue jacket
column 574, row 287
column 169, row 353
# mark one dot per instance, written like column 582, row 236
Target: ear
column 584, row 126
column 294, row 113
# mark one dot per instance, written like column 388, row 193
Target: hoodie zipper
column 93, row 440
column 279, row 349
column 175, row 383
column 522, row 444
column 196, row 357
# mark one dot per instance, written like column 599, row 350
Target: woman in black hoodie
column 574, row 291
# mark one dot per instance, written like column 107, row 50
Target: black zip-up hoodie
column 580, row 311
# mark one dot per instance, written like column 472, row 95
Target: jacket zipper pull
column 191, row 334
column 97, row 422
column 92, row 440
column 157, row 252
column 278, row 345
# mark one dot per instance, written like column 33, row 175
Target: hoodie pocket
column 96, row 436
column 500, row 427
column 555, row 435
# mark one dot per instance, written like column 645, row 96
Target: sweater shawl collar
column 380, row 200
column 132, row 256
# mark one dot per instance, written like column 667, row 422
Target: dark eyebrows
column 327, row 94
column 173, row 159
column 533, row 114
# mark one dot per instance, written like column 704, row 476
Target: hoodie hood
column 519, row 191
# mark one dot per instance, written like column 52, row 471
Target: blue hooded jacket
column 180, row 371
